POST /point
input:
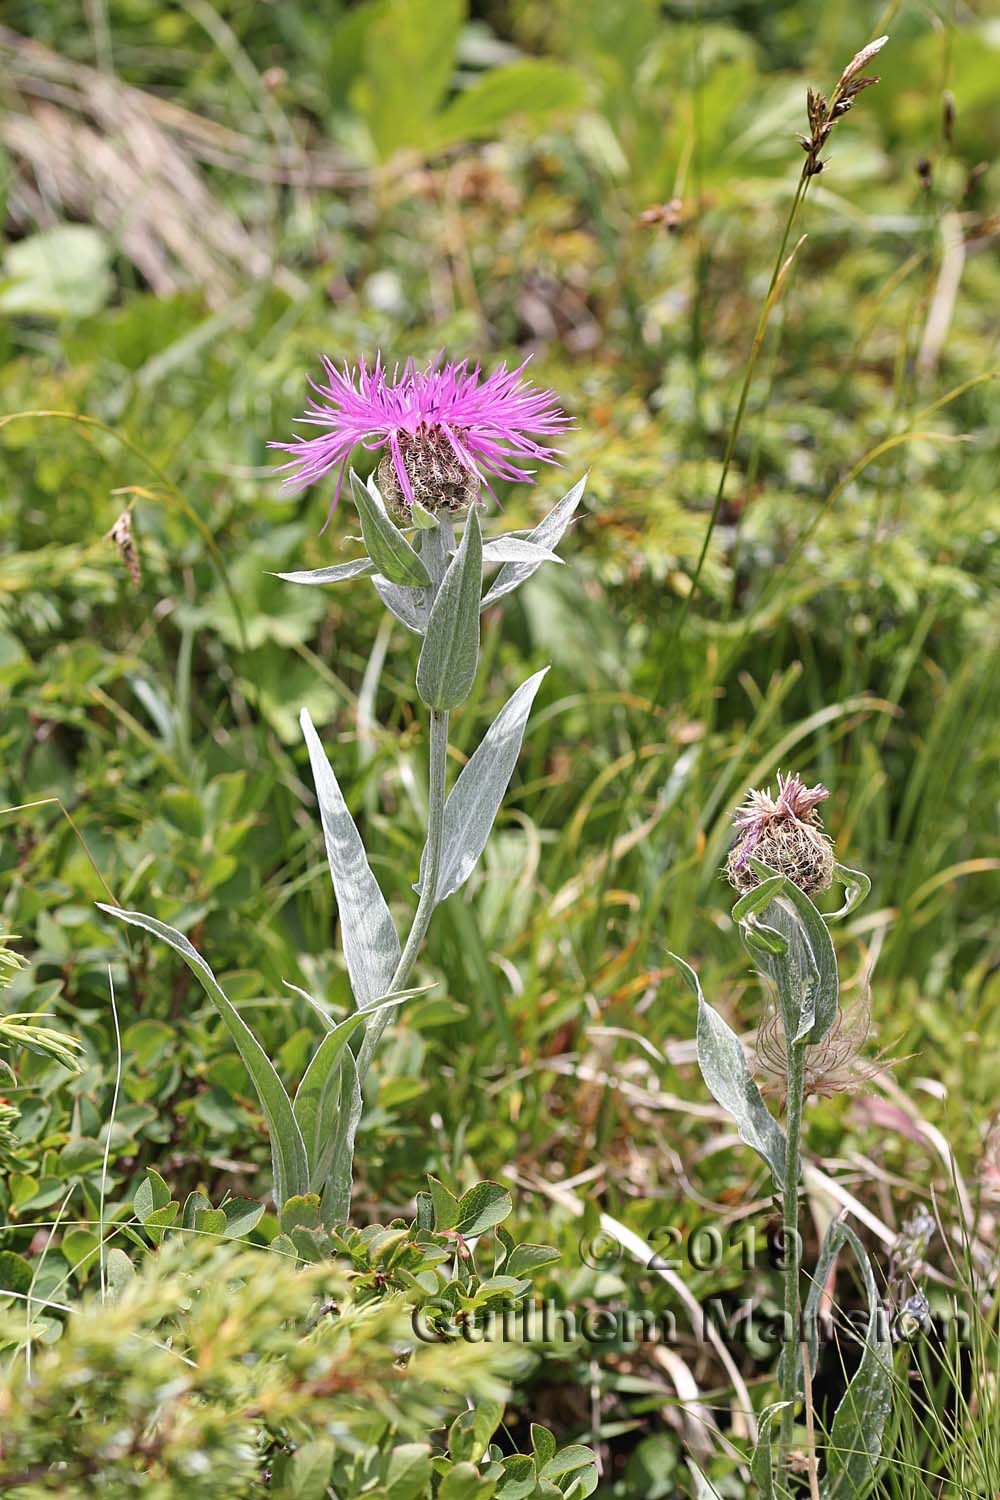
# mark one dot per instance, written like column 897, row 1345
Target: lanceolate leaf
column 288, row 1152
column 371, row 946
column 724, row 1069
column 761, row 1470
column 855, row 1444
column 856, row 888
column 548, row 533
column 807, row 978
column 504, row 549
column 387, row 546
column 479, row 790
column 317, row 1092
column 447, row 666
column 408, row 605
column 358, row 567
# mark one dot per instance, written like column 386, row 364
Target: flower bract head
column 444, row 431
column 784, row 833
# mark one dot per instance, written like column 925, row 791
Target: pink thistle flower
column 785, row 832
column 446, row 429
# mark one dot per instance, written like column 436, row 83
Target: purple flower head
column 445, row 430
column 795, row 802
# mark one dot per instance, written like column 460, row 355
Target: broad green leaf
column 543, row 1444
column 288, row 1154
column 16, row 1274
column 525, row 1259
column 409, row 1471
column 371, row 946
column 152, row 1193
column 724, row 1068
column 308, row 1474
column 529, row 89
column 574, row 1456
column 450, row 653
column 358, row 567
column 476, row 796
column 63, row 272
column 242, row 1216
column 445, row 1205
column 464, row 1482
column 409, row 55
column 387, row 547
column 481, row 1208
column 548, row 533
column 761, row 1468
column 119, row 1274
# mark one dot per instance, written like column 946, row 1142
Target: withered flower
column 785, row 833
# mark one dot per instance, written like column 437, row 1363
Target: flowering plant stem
column 791, row 1244
column 428, row 890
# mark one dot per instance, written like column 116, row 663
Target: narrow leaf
column 505, row 549
column 761, row 1466
column 387, row 547
column 548, row 533
column 856, row 889
column 806, row 977
column 724, row 1068
column 358, row 567
column 408, row 605
column 479, row 790
column 371, row 946
column 319, row 1086
column 855, row 1444
column 288, row 1151
column 448, row 658
column 343, row 1119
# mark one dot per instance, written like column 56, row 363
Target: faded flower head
column 785, row 833
column 445, row 430
column 831, row 1066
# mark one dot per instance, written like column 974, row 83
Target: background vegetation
column 201, row 198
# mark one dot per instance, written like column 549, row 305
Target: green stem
column 429, row 883
column 790, row 1232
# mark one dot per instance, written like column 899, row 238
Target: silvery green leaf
column 422, row 519
column 358, row 567
column 345, row 1108
column 387, row 546
column 317, row 1100
column 479, row 790
column 288, row 1152
column 513, row 549
column 806, row 976
column 548, row 533
column 448, row 658
column 701, row 1487
column 724, row 1068
column 371, row 946
column 855, row 1444
column 408, row 605
column 856, row 888
column 761, row 1470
